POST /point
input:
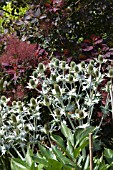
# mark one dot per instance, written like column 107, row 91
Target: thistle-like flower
column 72, row 64
column 92, row 62
column 83, row 64
column 96, row 73
column 63, row 65
column 57, row 89
column 46, row 101
column 3, row 98
column 31, row 84
column 41, row 68
column 19, row 103
column 14, row 103
column 13, row 117
column 26, row 128
column 53, row 77
column 57, row 111
column 76, row 68
column 21, row 108
column 70, row 78
column 35, row 74
column 33, row 101
column 90, row 68
column 100, row 59
column 81, row 114
column 111, row 73
column 57, row 63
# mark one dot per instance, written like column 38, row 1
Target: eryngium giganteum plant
column 70, row 91
column 68, row 94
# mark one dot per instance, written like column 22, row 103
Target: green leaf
column 42, row 161
column 80, row 148
column 104, row 167
column 67, row 133
column 63, row 158
column 67, row 167
column 86, row 163
column 59, row 141
column 60, row 156
column 108, row 153
column 45, row 151
column 77, row 152
column 54, row 165
column 70, row 150
column 40, row 167
column 80, row 134
column 18, row 164
column 28, row 157
column 32, row 167
column 101, row 164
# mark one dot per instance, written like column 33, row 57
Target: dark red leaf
column 88, row 48
column 98, row 41
column 87, row 41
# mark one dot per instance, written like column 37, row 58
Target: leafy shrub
column 58, row 26
column 74, row 90
column 17, row 63
column 91, row 48
column 10, row 14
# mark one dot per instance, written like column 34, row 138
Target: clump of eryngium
column 68, row 91
column 69, row 87
column 18, row 125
